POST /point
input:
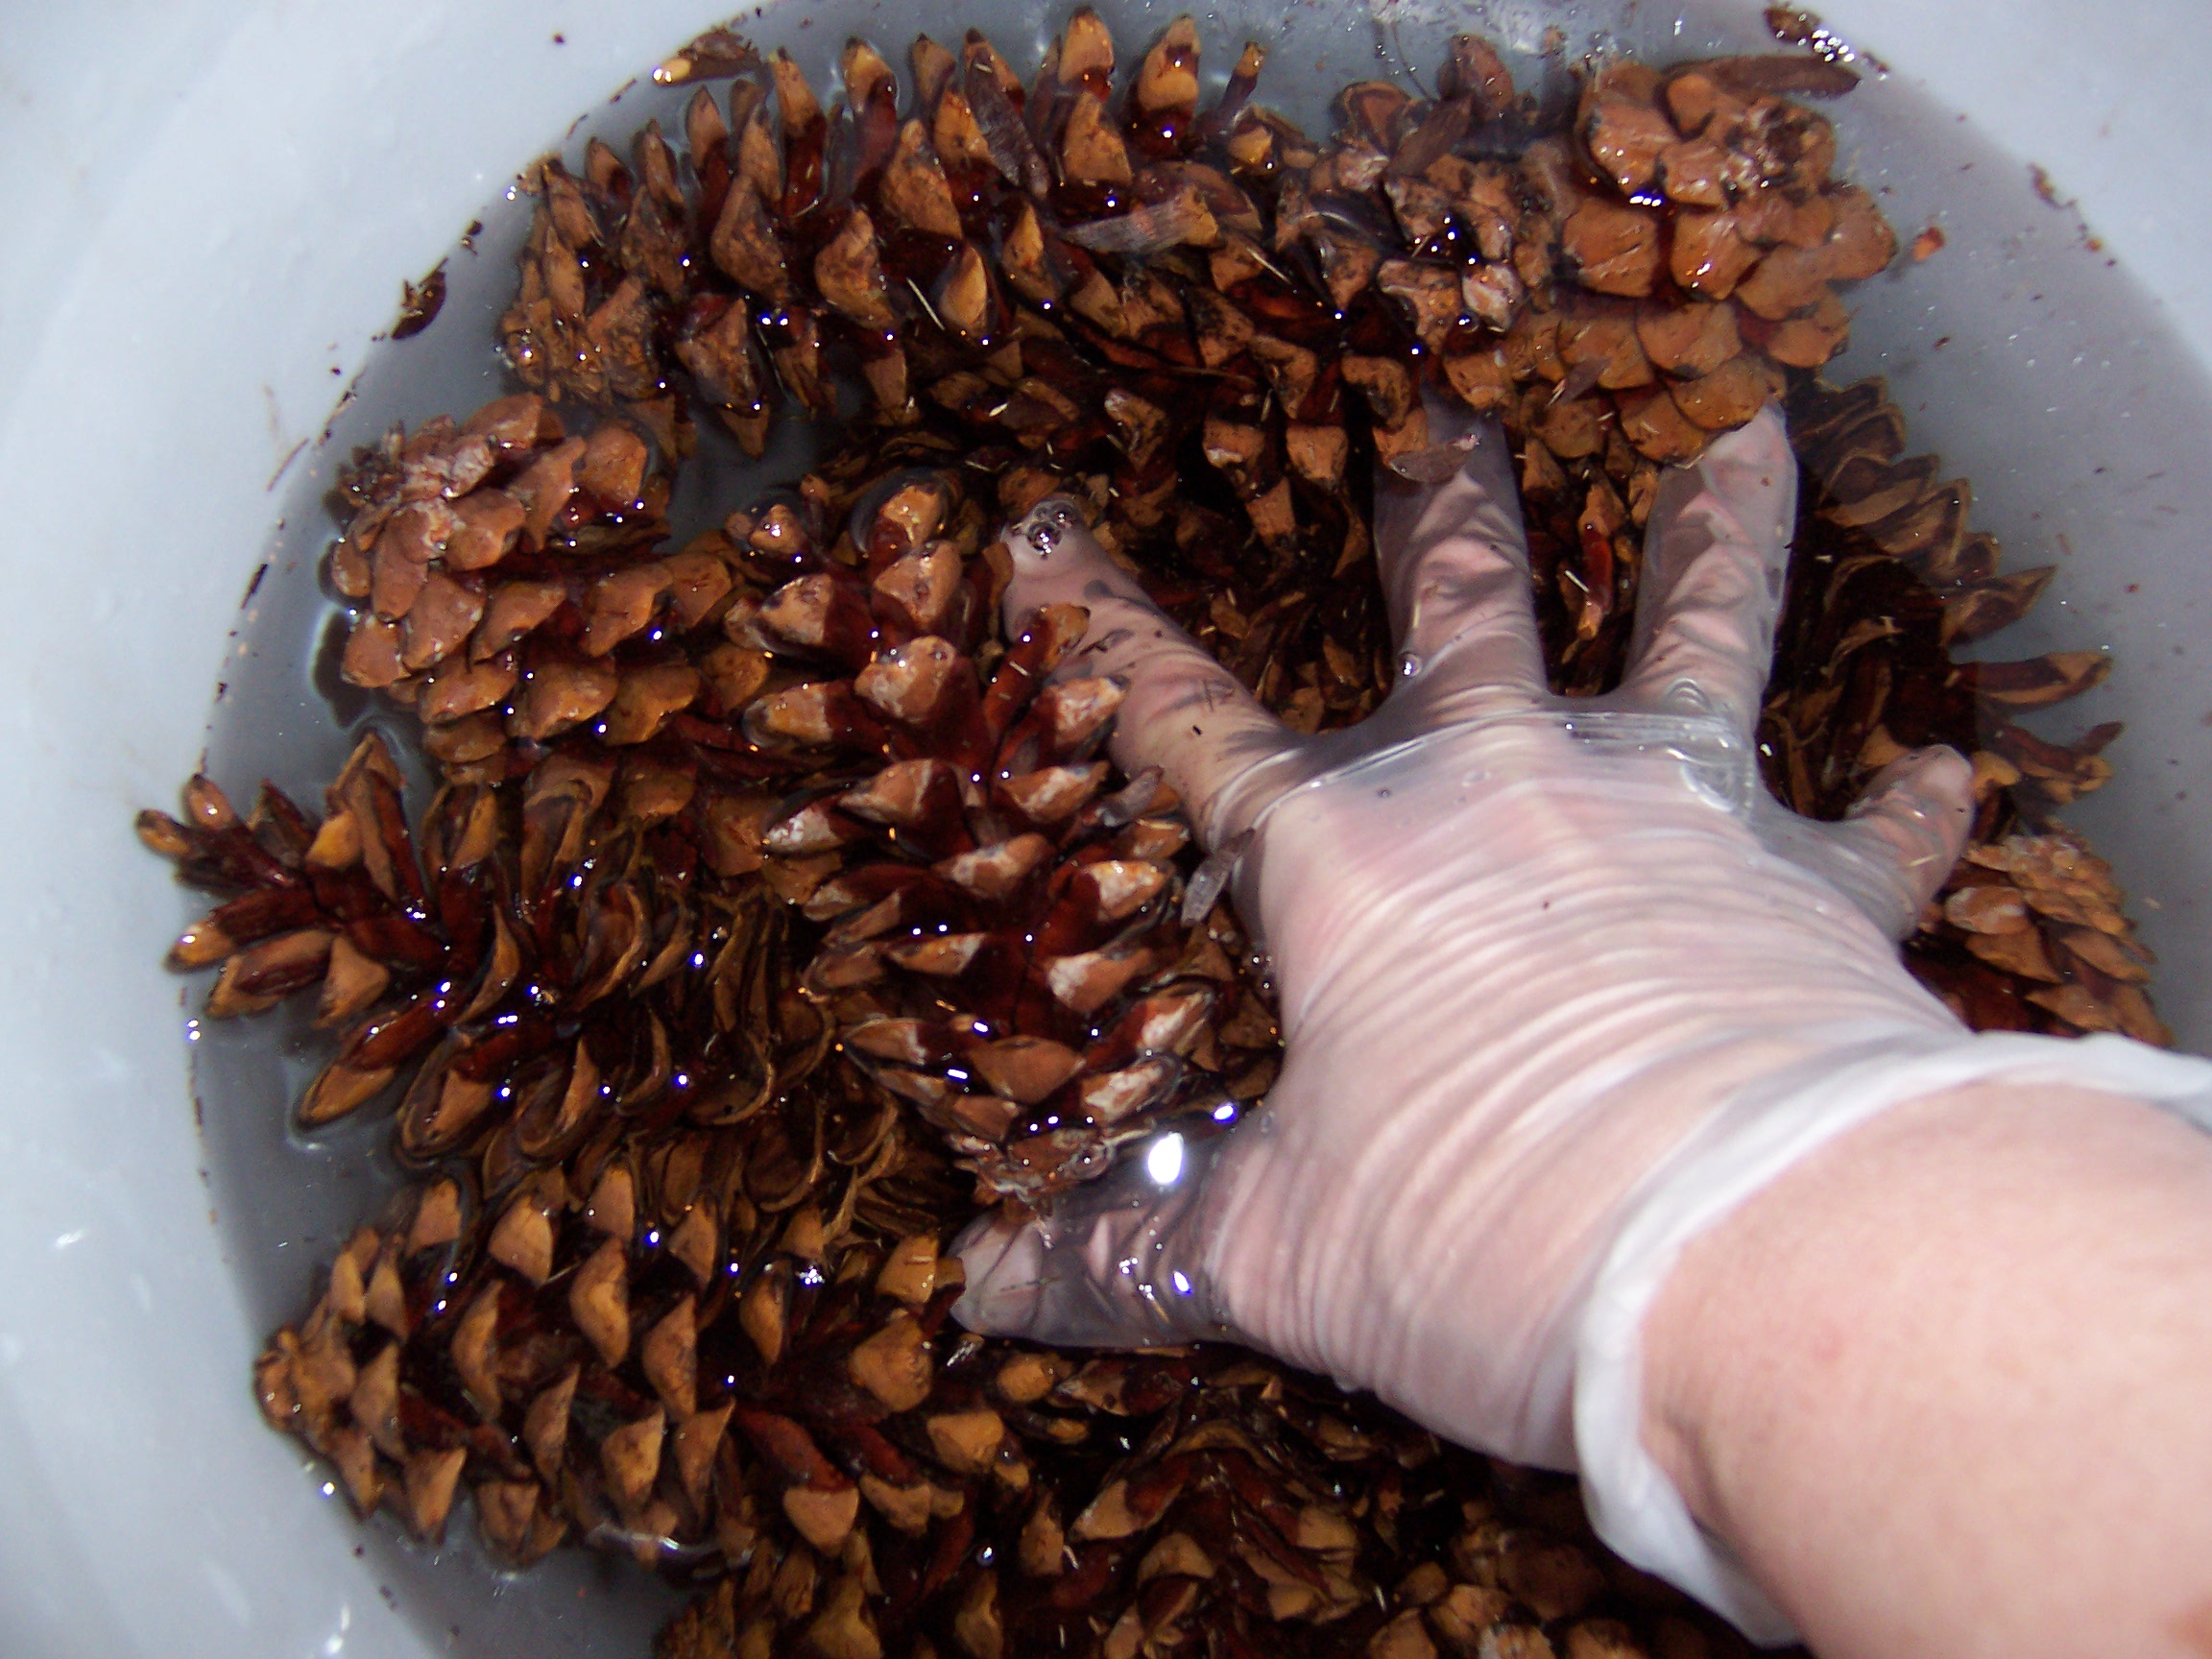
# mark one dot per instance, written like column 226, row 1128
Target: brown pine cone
column 506, row 588
column 1004, row 944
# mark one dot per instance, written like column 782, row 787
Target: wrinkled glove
column 1545, row 967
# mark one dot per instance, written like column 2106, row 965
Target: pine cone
column 1886, row 576
column 507, row 591
column 1003, row 946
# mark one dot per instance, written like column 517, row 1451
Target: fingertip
column 1765, row 432
column 1937, row 778
column 1904, row 833
column 1754, row 465
column 1053, row 556
column 1942, row 768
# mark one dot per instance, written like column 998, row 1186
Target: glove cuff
column 1757, row 1136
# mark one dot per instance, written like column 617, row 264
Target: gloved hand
column 1526, row 950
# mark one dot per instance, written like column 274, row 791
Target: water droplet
column 1409, row 665
column 1044, row 538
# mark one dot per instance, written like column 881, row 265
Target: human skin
column 1942, row 1385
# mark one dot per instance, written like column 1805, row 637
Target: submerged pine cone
column 607, row 256
column 551, row 961
column 1883, row 535
column 642, row 1351
column 506, row 588
column 742, row 275
column 591, row 1350
column 1003, row 943
column 347, row 908
column 1233, row 1522
column 2042, row 928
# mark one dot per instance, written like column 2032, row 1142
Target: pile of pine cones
column 771, row 912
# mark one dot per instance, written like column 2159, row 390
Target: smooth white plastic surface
column 209, row 208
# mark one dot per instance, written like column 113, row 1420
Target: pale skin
column 1939, row 1386
column 1942, row 1387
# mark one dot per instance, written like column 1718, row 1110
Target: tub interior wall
column 151, row 1254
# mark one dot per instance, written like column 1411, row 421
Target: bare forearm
column 1946, row 1388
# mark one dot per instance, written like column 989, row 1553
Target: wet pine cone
column 771, row 914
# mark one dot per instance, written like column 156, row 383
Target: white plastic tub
column 209, row 208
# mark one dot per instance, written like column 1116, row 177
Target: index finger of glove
column 1183, row 712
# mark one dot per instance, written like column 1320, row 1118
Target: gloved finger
column 1454, row 560
column 1184, row 714
column 1117, row 1262
column 1893, row 850
column 1714, row 558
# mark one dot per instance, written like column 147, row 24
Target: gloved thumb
column 1120, row 1262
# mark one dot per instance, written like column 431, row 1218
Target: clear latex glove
column 1560, row 986
column 1524, row 947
